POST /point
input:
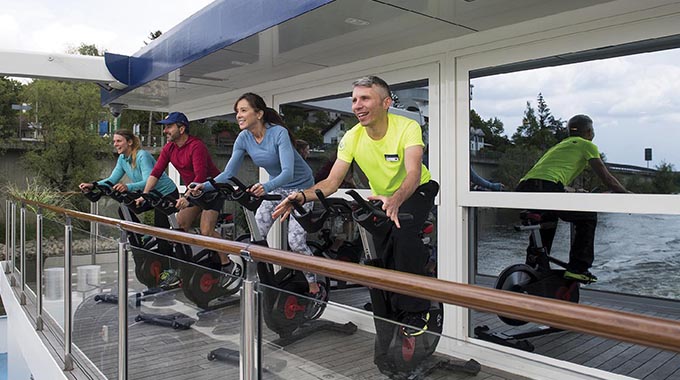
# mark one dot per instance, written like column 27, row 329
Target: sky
column 634, row 102
column 119, row 26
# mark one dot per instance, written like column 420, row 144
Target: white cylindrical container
column 54, row 283
column 88, row 279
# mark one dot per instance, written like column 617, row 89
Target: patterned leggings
column 297, row 236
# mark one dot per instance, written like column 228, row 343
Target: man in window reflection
column 388, row 148
column 553, row 173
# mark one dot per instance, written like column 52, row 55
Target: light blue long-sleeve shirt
column 139, row 174
column 286, row 168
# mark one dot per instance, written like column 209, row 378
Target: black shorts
column 215, row 205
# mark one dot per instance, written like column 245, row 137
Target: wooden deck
column 628, row 359
column 156, row 352
column 160, row 352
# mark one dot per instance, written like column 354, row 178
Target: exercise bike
column 289, row 310
column 314, row 221
column 535, row 277
column 151, row 255
column 199, row 268
column 397, row 353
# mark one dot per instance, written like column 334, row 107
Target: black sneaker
column 233, row 272
column 169, row 279
column 584, row 277
column 416, row 323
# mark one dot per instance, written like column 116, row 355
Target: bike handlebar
column 239, row 193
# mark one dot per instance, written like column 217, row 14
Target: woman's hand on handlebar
column 85, row 187
column 390, row 206
column 257, row 190
column 120, row 187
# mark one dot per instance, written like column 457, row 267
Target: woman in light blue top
column 137, row 164
column 271, row 146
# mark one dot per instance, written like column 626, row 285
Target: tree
column 665, row 180
column 311, row 135
column 494, row 131
column 85, row 49
column 547, row 121
column 515, row 163
column 69, row 113
column 10, row 92
column 153, row 36
column 539, row 129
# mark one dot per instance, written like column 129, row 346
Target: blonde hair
column 134, row 146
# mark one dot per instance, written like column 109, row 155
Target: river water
column 634, row 254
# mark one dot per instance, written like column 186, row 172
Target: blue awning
column 220, row 24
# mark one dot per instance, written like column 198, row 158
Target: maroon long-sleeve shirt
column 191, row 160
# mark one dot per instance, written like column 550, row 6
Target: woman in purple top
column 271, row 146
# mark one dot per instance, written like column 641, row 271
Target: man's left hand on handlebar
column 284, row 208
column 390, row 206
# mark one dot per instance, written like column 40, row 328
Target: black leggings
column 582, row 252
column 402, row 248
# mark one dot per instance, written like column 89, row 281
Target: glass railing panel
column 53, row 263
column 94, row 316
column 303, row 335
column 188, row 329
column 15, row 236
column 30, row 250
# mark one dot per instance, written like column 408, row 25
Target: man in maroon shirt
column 189, row 155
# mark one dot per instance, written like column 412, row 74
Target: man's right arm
column 609, row 180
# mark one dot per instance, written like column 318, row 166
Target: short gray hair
column 372, row 80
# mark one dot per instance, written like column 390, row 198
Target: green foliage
column 10, row 92
column 75, row 104
column 666, row 180
column 87, row 49
column 311, row 135
column 539, row 129
column 639, row 185
column 515, row 163
column 35, row 191
column 224, row 125
column 494, row 132
column 67, row 158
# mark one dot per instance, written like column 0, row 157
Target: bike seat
column 428, row 228
column 226, row 217
column 530, row 217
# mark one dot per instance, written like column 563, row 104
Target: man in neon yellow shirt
column 553, row 173
column 389, row 150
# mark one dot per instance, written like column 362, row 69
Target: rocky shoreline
column 55, row 247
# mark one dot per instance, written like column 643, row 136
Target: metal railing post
column 8, row 221
column 248, row 351
column 122, row 306
column 13, row 207
column 68, row 235
column 94, row 231
column 39, row 270
column 22, row 252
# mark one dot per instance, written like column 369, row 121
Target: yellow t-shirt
column 383, row 160
column 564, row 161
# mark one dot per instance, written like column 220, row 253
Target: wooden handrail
column 635, row 328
